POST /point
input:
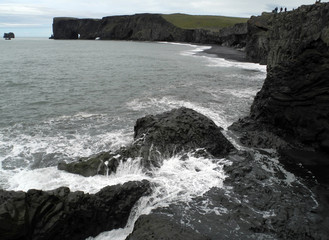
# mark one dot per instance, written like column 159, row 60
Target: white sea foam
column 248, row 93
column 214, row 61
column 52, row 178
column 221, row 62
column 214, row 112
column 37, row 147
column 191, row 52
column 175, row 181
column 195, row 51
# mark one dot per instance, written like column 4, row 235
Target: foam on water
column 221, row 62
column 215, row 113
column 214, row 61
column 60, row 138
column 176, row 181
column 51, row 178
column 82, row 134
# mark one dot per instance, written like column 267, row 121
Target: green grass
column 202, row 21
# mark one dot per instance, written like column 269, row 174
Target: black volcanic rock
column 161, row 227
column 9, row 35
column 257, row 40
column 295, row 98
column 158, row 137
column 61, row 214
column 292, row 108
column 179, row 130
column 145, row 27
column 74, row 28
column 142, row 27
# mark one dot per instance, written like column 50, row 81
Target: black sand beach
column 227, row 53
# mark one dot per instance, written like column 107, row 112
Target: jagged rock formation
column 144, row 27
column 61, row 214
column 160, row 227
column 158, row 137
column 9, row 35
column 257, row 40
column 294, row 100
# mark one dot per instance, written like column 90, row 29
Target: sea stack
column 9, row 35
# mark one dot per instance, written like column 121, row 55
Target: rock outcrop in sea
column 9, row 35
column 158, row 137
column 61, row 214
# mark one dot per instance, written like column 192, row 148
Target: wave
column 221, row 62
column 167, row 103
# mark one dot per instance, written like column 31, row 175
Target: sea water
column 62, row 100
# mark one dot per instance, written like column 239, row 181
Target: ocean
column 62, row 100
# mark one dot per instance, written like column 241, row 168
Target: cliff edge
column 141, row 27
column 144, row 27
column 292, row 108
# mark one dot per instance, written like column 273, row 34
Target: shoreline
column 227, row 53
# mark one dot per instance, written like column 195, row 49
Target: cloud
column 23, row 13
column 21, row 9
column 6, row 25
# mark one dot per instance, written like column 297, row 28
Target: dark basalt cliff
column 292, row 108
column 144, row 27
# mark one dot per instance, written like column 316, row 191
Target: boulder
column 158, row 137
column 179, row 130
column 61, row 214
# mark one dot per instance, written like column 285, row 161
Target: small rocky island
column 8, row 36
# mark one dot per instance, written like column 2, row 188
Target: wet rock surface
column 159, row 226
column 158, row 137
column 291, row 111
column 61, row 214
column 179, row 130
column 260, row 200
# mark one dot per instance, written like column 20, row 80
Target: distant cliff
column 141, row 27
column 144, row 27
column 294, row 100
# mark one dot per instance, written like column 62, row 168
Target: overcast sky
column 34, row 18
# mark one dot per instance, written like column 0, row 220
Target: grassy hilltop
column 186, row 21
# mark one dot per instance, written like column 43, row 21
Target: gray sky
column 34, row 18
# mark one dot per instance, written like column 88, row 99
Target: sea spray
column 178, row 180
